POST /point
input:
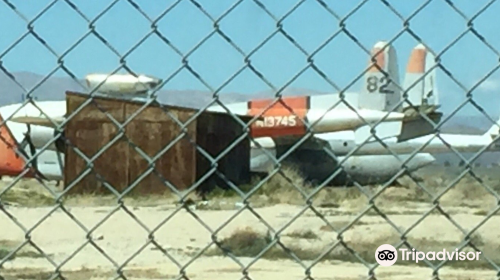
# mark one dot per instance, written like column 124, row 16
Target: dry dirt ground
column 150, row 238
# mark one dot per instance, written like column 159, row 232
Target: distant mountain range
column 54, row 88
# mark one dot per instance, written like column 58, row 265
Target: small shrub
column 4, row 252
column 307, row 234
column 244, row 243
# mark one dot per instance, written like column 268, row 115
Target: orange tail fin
column 421, row 90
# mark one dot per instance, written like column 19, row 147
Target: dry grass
column 30, row 193
column 246, row 242
column 303, row 234
column 287, row 187
column 83, row 274
column 336, row 226
column 26, row 193
column 467, row 192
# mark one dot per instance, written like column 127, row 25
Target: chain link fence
column 282, row 223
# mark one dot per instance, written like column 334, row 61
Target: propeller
column 60, row 148
column 32, row 149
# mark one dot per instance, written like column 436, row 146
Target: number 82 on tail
column 372, row 84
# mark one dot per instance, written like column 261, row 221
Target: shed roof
column 245, row 118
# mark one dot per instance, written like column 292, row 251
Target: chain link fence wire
column 209, row 53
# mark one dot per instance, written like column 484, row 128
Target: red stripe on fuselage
column 284, row 117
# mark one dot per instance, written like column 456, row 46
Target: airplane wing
column 42, row 121
column 412, row 126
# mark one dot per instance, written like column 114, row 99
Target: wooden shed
column 154, row 130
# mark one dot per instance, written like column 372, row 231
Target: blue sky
column 310, row 25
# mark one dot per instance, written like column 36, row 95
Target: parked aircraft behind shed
column 284, row 122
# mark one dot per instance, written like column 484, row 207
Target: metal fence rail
column 324, row 231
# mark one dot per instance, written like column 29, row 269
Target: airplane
column 425, row 93
column 283, row 121
column 376, row 159
column 367, row 166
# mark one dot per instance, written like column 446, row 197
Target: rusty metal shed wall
column 151, row 131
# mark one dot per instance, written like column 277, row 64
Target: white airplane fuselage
column 364, row 169
column 343, row 143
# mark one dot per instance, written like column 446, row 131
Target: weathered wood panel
column 151, row 131
column 90, row 130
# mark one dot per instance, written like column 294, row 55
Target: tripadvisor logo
column 386, row 255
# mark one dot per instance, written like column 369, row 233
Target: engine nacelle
column 122, row 84
column 41, row 135
column 341, row 142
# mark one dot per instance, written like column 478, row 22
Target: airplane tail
column 381, row 90
column 422, row 91
column 492, row 133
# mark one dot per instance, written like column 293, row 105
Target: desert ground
column 332, row 236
